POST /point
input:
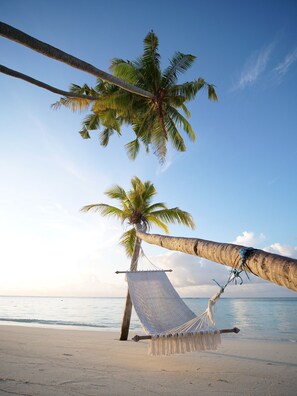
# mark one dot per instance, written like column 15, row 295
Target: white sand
column 39, row 361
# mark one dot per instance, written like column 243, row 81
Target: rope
column 234, row 276
column 144, row 255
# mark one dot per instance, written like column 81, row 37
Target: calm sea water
column 265, row 318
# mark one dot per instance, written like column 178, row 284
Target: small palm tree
column 154, row 120
column 137, row 210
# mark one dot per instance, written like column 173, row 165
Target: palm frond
column 128, row 240
column 155, row 206
column 179, row 120
column 157, row 222
column 175, row 215
column 104, row 209
column 84, row 133
column 116, row 192
column 105, row 135
column 83, row 90
column 212, row 93
column 125, row 70
column 179, row 63
column 136, row 193
column 91, row 122
column 187, row 90
column 74, row 104
column 148, row 192
column 132, row 149
column 159, row 139
column 150, row 62
column 186, row 110
column 174, row 136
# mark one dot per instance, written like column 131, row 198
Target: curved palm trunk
column 128, row 306
column 272, row 267
column 16, row 74
column 22, row 38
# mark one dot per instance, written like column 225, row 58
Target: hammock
column 171, row 326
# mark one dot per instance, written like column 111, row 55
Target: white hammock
column 173, row 327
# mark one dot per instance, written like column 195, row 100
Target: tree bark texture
column 272, row 267
column 20, row 37
column 16, row 74
column 128, row 306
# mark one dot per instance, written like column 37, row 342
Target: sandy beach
column 42, row 361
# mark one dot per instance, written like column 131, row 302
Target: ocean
column 257, row 318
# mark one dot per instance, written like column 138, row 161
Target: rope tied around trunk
column 234, row 276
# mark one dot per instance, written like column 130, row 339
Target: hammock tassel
column 182, row 343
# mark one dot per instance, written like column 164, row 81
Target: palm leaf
column 155, row 206
column 212, row 93
column 116, row 192
column 150, row 62
column 105, row 135
column 175, row 215
column 91, row 122
column 187, row 90
column 178, row 64
column 149, row 192
column 179, row 120
column 74, row 104
column 125, row 70
column 174, row 136
column 84, row 133
column 128, row 240
column 156, row 221
column 104, row 209
column 133, row 148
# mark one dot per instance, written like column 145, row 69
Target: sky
column 238, row 180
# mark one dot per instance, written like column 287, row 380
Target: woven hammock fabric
column 164, row 315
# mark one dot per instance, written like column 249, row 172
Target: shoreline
column 139, row 331
column 59, row 362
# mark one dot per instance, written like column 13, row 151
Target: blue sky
column 238, row 179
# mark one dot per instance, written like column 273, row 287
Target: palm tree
column 141, row 95
column 20, row 37
column 137, row 210
column 272, row 267
column 155, row 120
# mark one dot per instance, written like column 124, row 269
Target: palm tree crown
column 136, row 209
column 154, row 120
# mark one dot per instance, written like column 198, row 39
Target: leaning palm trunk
column 128, row 306
column 22, row 38
column 16, row 74
column 272, row 267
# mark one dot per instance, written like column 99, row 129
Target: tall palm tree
column 155, row 120
column 137, row 210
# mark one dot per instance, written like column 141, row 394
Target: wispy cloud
column 254, row 67
column 282, row 68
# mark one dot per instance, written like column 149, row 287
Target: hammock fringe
column 182, row 343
